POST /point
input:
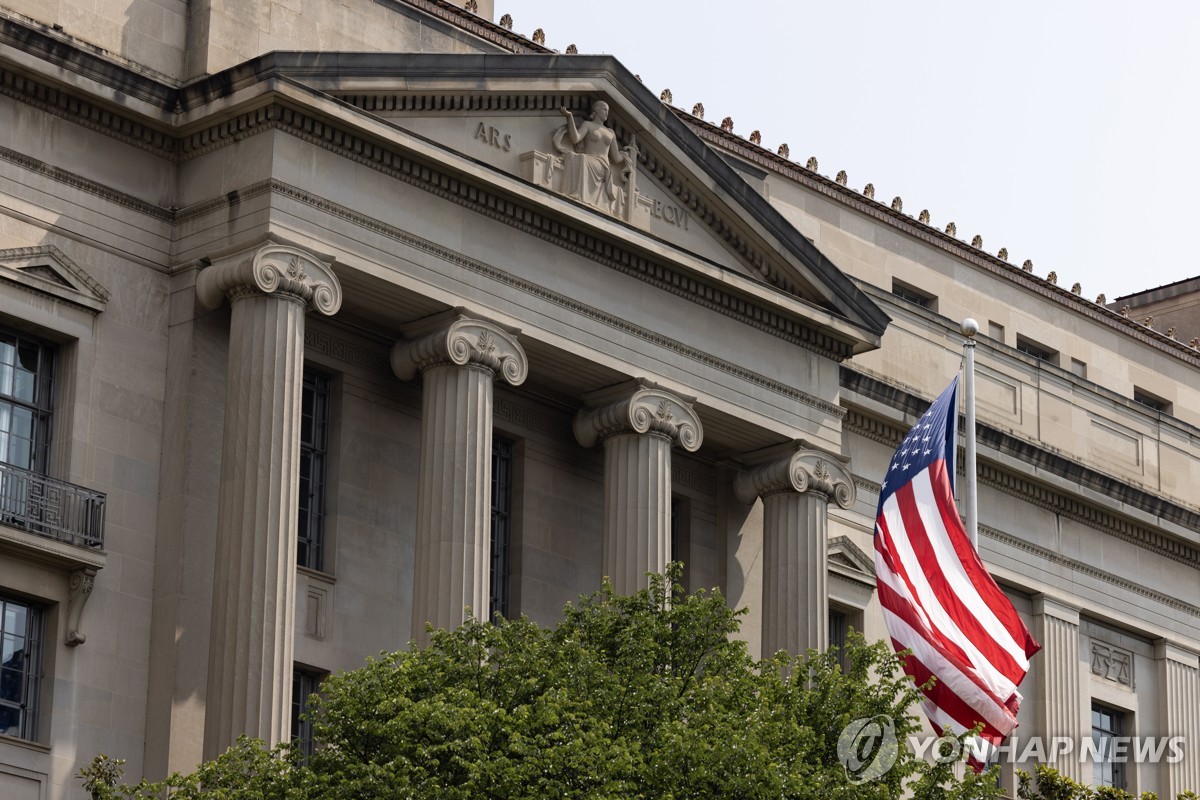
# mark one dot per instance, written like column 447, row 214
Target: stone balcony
column 51, row 519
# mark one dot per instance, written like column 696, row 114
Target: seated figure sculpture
column 598, row 172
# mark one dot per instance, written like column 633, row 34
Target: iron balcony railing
column 51, row 508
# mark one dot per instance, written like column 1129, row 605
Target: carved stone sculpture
column 951, row 229
column 589, row 166
column 727, row 124
column 869, row 191
column 1002, row 254
column 923, row 217
column 784, row 150
column 842, row 177
column 755, row 137
column 897, row 203
column 81, row 583
column 698, row 110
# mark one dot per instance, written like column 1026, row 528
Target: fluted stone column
column 1179, row 712
column 638, row 423
column 458, row 358
column 251, row 645
column 796, row 485
column 1059, row 703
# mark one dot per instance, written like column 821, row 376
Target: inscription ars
column 493, row 136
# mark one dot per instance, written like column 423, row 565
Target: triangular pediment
column 538, row 119
column 47, row 270
column 534, row 145
column 848, row 559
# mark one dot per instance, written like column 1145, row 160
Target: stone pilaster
column 796, row 485
column 1179, row 715
column 250, row 651
column 1060, row 709
column 458, row 358
column 638, row 423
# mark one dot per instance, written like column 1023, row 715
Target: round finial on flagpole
column 969, row 328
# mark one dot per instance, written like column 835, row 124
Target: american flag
column 939, row 602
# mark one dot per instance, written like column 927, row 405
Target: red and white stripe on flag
column 939, row 602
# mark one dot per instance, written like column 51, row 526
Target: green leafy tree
column 1047, row 783
column 646, row 696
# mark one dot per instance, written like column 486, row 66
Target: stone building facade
column 320, row 321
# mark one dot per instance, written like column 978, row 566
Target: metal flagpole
column 969, row 328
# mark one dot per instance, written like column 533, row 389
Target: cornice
column 479, row 267
column 905, row 223
column 1038, row 458
column 100, row 118
column 1053, row 557
column 80, row 57
column 483, row 28
column 1071, row 563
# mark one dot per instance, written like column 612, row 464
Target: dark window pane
column 26, row 391
column 310, row 533
column 304, row 685
column 501, row 533
column 20, row 669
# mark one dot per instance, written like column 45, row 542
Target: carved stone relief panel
column 1112, row 663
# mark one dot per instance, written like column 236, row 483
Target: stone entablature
column 1001, row 477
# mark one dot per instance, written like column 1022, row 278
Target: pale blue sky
column 1064, row 131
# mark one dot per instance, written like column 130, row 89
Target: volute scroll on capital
column 802, row 471
column 273, row 269
column 644, row 409
column 462, row 341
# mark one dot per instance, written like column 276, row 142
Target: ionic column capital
column 639, row 407
column 460, row 340
column 798, row 469
column 272, row 269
